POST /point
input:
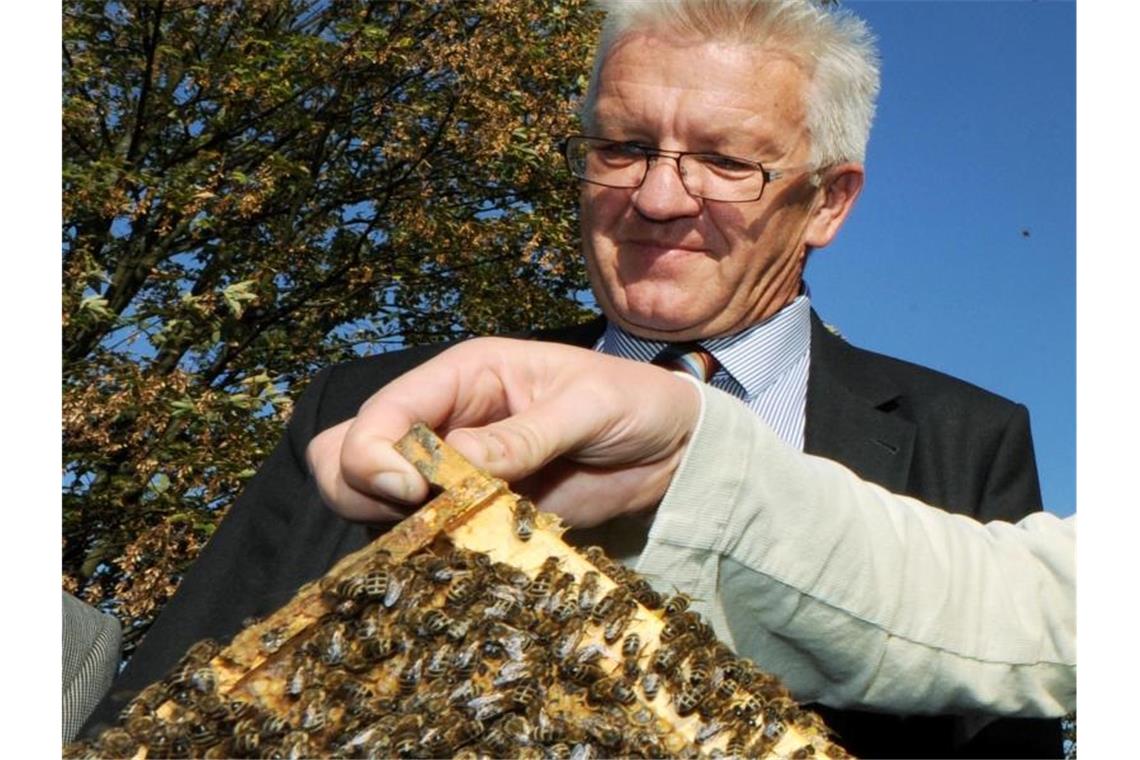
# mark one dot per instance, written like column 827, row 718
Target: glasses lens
column 721, row 178
column 607, row 163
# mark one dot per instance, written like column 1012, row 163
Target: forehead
column 703, row 90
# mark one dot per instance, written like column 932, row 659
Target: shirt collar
column 754, row 358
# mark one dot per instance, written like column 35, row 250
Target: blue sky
column 960, row 253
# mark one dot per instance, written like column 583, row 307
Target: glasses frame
column 651, row 153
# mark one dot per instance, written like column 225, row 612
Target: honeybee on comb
column 458, row 634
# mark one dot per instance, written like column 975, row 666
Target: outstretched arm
column 856, row 596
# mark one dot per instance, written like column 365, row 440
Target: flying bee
column 524, row 514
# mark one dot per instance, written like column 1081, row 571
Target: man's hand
column 601, row 436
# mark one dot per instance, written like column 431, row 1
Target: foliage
column 253, row 189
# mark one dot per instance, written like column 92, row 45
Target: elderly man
column 723, row 141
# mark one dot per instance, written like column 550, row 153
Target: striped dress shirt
column 766, row 366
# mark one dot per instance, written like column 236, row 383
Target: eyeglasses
column 712, row 176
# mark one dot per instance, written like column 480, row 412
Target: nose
column 662, row 195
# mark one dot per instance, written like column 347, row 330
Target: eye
column 725, row 164
column 618, row 151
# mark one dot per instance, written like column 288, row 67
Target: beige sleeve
column 858, row 597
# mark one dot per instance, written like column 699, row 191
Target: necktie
column 688, row 357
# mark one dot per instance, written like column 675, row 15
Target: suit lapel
column 851, row 415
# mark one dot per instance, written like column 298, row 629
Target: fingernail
column 393, row 485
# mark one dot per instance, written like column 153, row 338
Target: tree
column 254, row 189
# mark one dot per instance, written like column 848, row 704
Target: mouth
column 661, row 247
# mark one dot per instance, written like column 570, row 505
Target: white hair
column 834, row 47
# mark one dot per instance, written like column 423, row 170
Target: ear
column 841, row 186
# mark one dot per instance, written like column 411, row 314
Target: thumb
column 523, row 443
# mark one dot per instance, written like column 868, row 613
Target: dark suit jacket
column 908, row 428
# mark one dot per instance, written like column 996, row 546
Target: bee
column 398, row 580
column 588, row 591
column 604, row 732
column 616, row 690
column 672, row 630
column 645, row 744
column 382, row 648
column 581, row 673
column 510, row 575
column 211, row 706
column 643, row 592
column 667, row 657
column 487, row 707
column 406, row 745
column 357, row 694
column 514, row 671
column 467, row 660
column 272, row 725
column 618, row 599
column 439, row 663
column 708, row 730
column 273, row 639
column 202, row 652
column 246, row 737
column 549, row 730
column 747, row 708
column 677, row 604
column 434, row 622
column 524, row 514
column 202, row 735
column 560, row 751
column 806, row 751
column 631, row 646
column 686, row 701
column 464, row 692
column 331, row 643
column 410, row 675
column 616, row 625
column 567, row 642
column 457, row 631
column 374, row 583
column 116, row 742
column 461, row 591
column 141, row 726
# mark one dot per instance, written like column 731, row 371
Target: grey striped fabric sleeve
column 91, row 641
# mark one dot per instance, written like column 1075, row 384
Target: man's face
column 662, row 263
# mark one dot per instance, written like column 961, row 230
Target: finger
column 515, row 447
column 323, row 456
